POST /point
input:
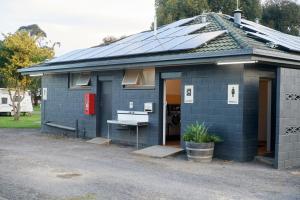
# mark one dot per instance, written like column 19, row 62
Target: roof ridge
column 232, row 32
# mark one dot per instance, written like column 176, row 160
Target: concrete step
column 265, row 160
column 158, row 151
column 99, row 140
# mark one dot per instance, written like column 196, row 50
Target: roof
column 188, row 41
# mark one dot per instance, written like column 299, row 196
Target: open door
column 172, row 112
column 265, row 130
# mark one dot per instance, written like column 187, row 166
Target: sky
column 77, row 23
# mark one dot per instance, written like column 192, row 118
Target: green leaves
column 169, row 11
column 20, row 50
column 198, row 133
column 282, row 15
column 172, row 10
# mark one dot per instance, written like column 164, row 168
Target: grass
column 33, row 121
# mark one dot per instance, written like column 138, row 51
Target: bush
column 198, row 133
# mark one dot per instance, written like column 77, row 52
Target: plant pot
column 199, row 152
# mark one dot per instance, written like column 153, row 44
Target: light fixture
column 35, row 75
column 237, row 62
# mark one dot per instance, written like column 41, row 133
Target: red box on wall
column 89, row 103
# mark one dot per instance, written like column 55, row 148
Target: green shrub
column 198, row 133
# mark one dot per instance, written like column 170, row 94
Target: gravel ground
column 39, row 166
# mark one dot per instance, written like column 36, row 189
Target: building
column 242, row 79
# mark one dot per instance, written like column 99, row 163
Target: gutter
column 286, row 59
column 122, row 63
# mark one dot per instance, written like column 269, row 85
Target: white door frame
column 164, row 112
column 269, row 115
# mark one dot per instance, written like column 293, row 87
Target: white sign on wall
column 44, row 94
column 188, row 94
column 233, row 94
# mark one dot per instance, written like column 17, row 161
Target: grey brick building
column 242, row 79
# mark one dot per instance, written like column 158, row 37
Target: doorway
column 105, row 106
column 266, row 131
column 172, row 112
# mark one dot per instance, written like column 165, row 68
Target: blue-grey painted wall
column 252, row 76
column 236, row 124
column 64, row 106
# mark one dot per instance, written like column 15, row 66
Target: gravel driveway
column 39, row 166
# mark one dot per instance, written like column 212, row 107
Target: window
column 139, row 78
column 80, row 80
column 3, row 100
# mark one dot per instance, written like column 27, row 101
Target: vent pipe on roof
column 237, row 14
column 155, row 21
column 155, row 25
column 238, row 17
column 257, row 20
column 203, row 18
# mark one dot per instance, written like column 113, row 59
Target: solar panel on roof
column 189, row 29
column 130, row 47
column 276, row 41
column 64, row 56
column 172, row 43
column 199, row 40
column 153, row 44
column 167, row 32
column 265, row 33
column 275, row 34
column 178, row 23
column 110, row 50
column 174, row 36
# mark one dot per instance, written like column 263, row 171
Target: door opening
column 172, row 112
column 266, row 131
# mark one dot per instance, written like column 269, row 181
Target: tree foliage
column 33, row 30
column 252, row 9
column 282, row 15
column 172, row 10
column 20, row 50
column 110, row 39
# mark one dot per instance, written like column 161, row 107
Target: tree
column 33, row 30
column 172, row 10
column 35, row 89
column 282, row 15
column 252, row 9
column 110, row 39
column 20, row 50
column 2, row 61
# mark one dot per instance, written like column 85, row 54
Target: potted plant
column 199, row 143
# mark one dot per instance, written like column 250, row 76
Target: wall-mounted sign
column 44, row 95
column 233, row 94
column 188, row 94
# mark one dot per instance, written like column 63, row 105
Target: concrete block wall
column 64, row 106
column 210, row 106
column 288, row 118
column 236, row 124
column 120, row 101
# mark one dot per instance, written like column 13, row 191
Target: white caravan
column 6, row 104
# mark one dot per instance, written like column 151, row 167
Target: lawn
column 33, row 121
